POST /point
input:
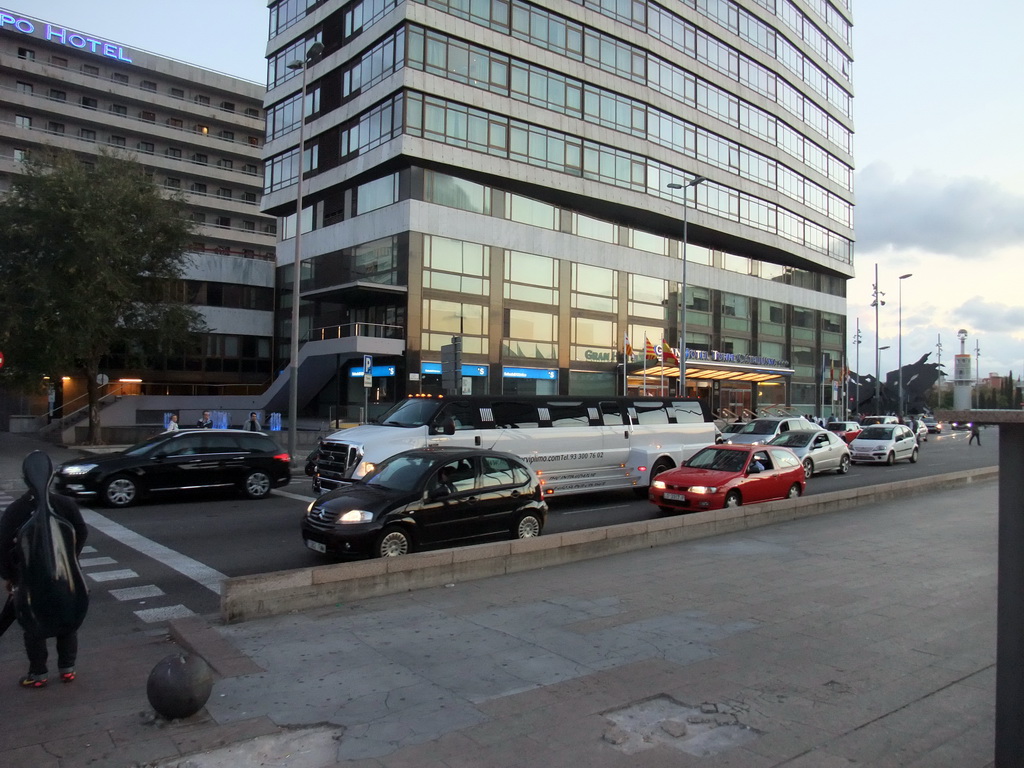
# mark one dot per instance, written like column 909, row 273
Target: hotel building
column 198, row 133
column 502, row 171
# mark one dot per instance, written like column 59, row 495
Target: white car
column 919, row 428
column 884, row 444
column 760, row 431
column 818, row 449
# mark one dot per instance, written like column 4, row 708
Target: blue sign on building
column 546, row 374
column 377, row 370
column 434, row 369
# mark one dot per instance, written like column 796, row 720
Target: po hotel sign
column 54, row 34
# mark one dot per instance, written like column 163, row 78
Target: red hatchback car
column 728, row 476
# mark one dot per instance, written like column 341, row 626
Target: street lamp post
column 857, row 340
column 682, row 298
column 899, row 354
column 878, row 302
column 878, row 383
column 312, row 56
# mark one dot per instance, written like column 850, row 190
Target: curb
column 271, row 594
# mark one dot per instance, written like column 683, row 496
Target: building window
column 172, row 183
column 20, row 154
column 227, row 135
column 149, row 117
column 198, row 218
column 200, row 159
column 227, row 106
column 174, row 122
column 224, row 163
column 119, row 77
column 24, row 87
column 56, row 95
column 251, row 169
column 89, row 103
column 198, row 188
column 147, row 85
column 254, row 141
column 116, row 141
column 224, row 221
column 203, row 129
column 173, row 152
column 249, row 197
column 146, row 147
column 177, row 93
column 90, row 69
column 23, row 121
column 86, row 134
column 59, row 61
column 26, row 53
column 202, row 100
column 119, row 109
column 249, row 226
column 55, row 127
column 252, row 112
column 224, row 192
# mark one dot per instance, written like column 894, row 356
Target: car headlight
column 356, row 516
column 78, row 469
column 364, row 468
column 703, row 489
column 659, row 484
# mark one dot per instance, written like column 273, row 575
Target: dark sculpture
column 51, row 597
column 179, row 685
column 918, row 378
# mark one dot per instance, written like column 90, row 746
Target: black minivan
column 428, row 497
column 181, row 460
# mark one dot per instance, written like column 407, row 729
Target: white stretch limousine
column 575, row 444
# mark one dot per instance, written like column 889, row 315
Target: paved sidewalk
column 865, row 637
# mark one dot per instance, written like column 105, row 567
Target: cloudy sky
column 940, row 179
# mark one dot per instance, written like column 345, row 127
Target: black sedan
column 182, row 460
column 428, row 497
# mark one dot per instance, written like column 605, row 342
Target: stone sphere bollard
column 179, row 685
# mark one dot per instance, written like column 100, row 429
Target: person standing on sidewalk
column 205, row 422
column 975, row 434
column 14, row 517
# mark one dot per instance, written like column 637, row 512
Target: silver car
column 818, row 449
column 760, row 431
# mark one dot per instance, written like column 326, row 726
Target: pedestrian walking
column 70, row 533
column 975, row 434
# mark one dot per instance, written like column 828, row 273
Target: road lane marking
column 102, row 576
column 295, row 496
column 136, row 593
column 153, row 615
column 186, row 566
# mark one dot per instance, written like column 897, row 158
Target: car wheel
column 527, row 526
column 913, row 456
column 120, row 491
column 844, row 465
column 890, row 459
column 732, row 499
column 794, row 491
column 392, row 542
column 256, row 485
column 808, row 468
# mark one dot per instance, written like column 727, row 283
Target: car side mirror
column 753, row 470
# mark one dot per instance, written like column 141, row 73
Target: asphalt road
column 158, row 561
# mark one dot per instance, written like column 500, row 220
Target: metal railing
column 348, row 330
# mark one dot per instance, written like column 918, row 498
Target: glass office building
column 547, row 181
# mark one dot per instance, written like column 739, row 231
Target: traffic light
column 451, row 366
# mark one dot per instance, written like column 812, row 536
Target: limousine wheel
column 392, row 542
column 527, row 527
column 120, row 491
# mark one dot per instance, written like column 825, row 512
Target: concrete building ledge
column 270, row 594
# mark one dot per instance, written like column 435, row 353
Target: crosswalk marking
column 151, row 615
column 92, row 562
column 136, row 593
column 102, row 576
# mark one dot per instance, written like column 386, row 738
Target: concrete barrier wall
column 269, row 594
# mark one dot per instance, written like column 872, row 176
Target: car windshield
column 876, row 433
column 760, row 428
column 730, row 428
column 414, row 412
column 794, row 439
column 402, row 473
column 715, row 458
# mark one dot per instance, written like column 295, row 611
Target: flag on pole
column 669, row 355
column 628, row 347
column 650, row 352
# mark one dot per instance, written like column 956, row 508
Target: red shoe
column 32, row 681
column 67, row 677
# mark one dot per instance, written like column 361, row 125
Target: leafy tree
column 88, row 250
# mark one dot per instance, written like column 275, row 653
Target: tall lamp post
column 878, row 302
column 313, row 55
column 682, row 298
column 857, row 340
column 878, row 381
column 899, row 354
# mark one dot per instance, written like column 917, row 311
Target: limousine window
column 514, row 415
column 568, row 414
column 687, row 412
column 611, row 414
column 650, row 413
column 461, row 413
